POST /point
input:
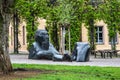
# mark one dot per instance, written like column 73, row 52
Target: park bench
column 106, row 52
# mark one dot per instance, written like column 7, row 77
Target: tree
column 30, row 11
column 15, row 26
column 66, row 14
column 111, row 16
column 52, row 23
column 76, row 22
column 5, row 16
column 91, row 14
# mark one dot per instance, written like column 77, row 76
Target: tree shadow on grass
column 20, row 73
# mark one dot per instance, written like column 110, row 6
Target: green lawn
column 60, row 72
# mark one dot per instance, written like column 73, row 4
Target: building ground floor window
column 99, row 34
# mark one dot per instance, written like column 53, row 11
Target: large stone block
column 81, row 52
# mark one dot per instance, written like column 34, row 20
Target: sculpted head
column 42, row 38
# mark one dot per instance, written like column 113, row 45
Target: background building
column 22, row 35
column 102, row 39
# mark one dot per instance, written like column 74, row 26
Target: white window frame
column 98, row 32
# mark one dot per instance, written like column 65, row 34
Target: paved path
column 114, row 62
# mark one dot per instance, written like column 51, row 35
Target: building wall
column 84, row 34
column 42, row 24
column 22, row 35
column 106, row 44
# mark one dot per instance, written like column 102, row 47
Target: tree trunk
column 69, row 40
column 5, row 63
column 55, row 36
column 92, row 33
column 15, row 22
column 113, row 40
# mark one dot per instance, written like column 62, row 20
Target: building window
column 99, row 34
column 23, row 35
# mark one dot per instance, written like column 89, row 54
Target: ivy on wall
column 30, row 10
column 72, row 12
column 61, row 13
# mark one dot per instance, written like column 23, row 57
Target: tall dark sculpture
column 81, row 52
column 43, row 49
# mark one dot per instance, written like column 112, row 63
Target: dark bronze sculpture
column 81, row 52
column 43, row 49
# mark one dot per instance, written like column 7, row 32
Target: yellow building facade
column 102, row 40
column 22, row 35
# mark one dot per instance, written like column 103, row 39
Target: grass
column 60, row 72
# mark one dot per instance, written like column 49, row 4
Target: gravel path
column 114, row 62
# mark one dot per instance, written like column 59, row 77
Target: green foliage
column 90, row 14
column 75, row 30
column 52, row 24
column 66, row 12
column 30, row 10
column 76, row 21
column 111, row 11
column 54, row 36
column 72, row 12
column 65, row 19
column 112, row 15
